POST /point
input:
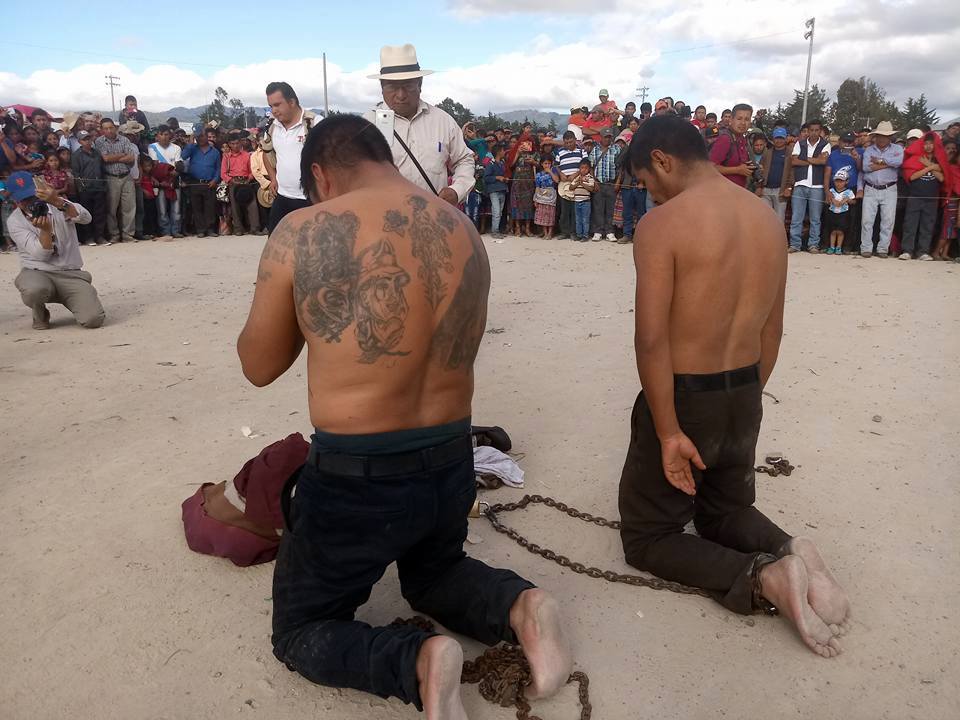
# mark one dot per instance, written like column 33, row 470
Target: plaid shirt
column 120, row 146
column 604, row 168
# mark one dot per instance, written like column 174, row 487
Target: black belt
column 119, row 175
column 718, row 381
column 400, row 464
column 880, row 187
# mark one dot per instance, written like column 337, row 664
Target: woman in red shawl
column 924, row 168
column 522, row 161
column 950, row 223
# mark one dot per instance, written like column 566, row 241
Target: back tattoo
column 337, row 285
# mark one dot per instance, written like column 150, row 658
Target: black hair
column 701, row 107
column 739, row 107
column 815, row 121
column 106, row 120
column 283, row 88
column 161, row 129
column 710, row 115
column 38, row 111
column 667, row 97
column 669, row 134
column 342, row 141
column 128, row 98
column 925, row 128
column 728, row 110
column 587, row 163
column 629, row 104
column 805, row 126
column 499, row 147
column 781, row 123
column 569, row 134
column 646, row 107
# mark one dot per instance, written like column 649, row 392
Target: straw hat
column 399, row 63
column 131, row 127
column 69, row 120
column 266, row 196
column 884, row 128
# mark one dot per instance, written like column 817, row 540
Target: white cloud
column 695, row 51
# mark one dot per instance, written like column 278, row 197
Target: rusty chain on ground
column 775, row 465
column 502, row 675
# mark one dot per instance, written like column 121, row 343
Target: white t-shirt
column 287, row 144
column 169, row 155
column 808, row 180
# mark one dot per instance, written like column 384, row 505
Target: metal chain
column 502, row 675
column 777, row 466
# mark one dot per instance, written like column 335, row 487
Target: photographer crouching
column 43, row 229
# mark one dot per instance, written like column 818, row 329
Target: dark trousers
column 601, row 214
column 344, row 529
column 150, row 226
column 203, row 203
column 920, row 217
column 240, row 211
column 96, row 203
column 283, row 206
column 634, row 206
column 568, row 219
column 735, row 538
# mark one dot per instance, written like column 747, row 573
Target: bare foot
column 535, row 618
column 784, row 583
column 439, row 664
column 824, row 593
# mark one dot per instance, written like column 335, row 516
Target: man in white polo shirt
column 284, row 137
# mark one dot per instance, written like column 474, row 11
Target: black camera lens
column 39, row 209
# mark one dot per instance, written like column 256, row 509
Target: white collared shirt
column 288, row 144
column 437, row 142
column 808, row 180
column 65, row 253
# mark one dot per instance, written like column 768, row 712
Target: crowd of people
column 827, row 185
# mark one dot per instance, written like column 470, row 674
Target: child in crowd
column 495, row 186
column 165, row 176
column 951, row 199
column 151, row 189
column 583, row 186
column 55, row 176
column 545, row 197
column 839, row 215
column 924, row 162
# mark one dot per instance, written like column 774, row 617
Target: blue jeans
column 168, row 214
column 473, row 206
column 346, row 524
column 497, row 199
column 581, row 211
column 805, row 198
column 633, row 205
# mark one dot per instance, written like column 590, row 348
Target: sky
column 490, row 55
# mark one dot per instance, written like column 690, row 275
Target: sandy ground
column 105, row 613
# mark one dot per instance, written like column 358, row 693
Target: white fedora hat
column 399, row 63
column 884, row 128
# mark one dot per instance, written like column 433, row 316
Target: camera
column 39, row 209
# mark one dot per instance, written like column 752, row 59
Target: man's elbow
column 256, row 374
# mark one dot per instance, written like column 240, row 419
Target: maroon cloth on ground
column 263, row 477
column 212, row 537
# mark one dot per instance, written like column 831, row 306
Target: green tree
column 861, row 103
column 216, row 110
column 818, row 107
column 457, row 111
column 552, row 127
column 915, row 114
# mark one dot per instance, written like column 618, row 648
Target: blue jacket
column 838, row 161
column 490, row 182
column 204, row 166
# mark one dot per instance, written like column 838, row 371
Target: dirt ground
column 105, row 613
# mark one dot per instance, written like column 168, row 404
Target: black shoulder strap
column 415, row 162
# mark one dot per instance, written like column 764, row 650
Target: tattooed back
column 390, row 294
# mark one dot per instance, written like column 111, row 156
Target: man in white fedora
column 878, row 181
column 431, row 136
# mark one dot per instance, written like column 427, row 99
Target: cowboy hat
column 399, row 63
column 884, row 128
column 131, row 127
column 69, row 120
column 266, row 196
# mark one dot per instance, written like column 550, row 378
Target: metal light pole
column 112, row 81
column 326, row 105
column 808, row 35
column 642, row 92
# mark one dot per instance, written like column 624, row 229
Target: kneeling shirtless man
column 711, row 271
column 388, row 287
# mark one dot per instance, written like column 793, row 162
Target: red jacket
column 914, row 151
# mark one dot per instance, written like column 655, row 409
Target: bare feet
column 824, row 593
column 535, row 618
column 439, row 664
column 784, row 583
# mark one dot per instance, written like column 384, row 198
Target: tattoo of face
column 334, row 289
column 429, row 245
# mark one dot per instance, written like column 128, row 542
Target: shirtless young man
column 387, row 285
column 711, row 271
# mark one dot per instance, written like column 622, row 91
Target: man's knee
column 92, row 320
column 35, row 294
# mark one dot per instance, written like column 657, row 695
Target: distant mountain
column 539, row 117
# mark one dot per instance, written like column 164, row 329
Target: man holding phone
column 43, row 227
column 428, row 147
column 729, row 153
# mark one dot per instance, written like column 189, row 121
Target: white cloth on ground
column 490, row 461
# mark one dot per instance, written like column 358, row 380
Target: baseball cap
column 914, row 134
column 603, row 91
column 83, row 135
column 713, row 132
column 20, row 185
column 848, row 137
column 780, row 132
column 606, row 132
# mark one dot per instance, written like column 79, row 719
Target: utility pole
column 642, row 92
column 113, row 81
column 326, row 104
column 808, row 35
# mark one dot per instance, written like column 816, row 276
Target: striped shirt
column 568, row 161
column 120, row 146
